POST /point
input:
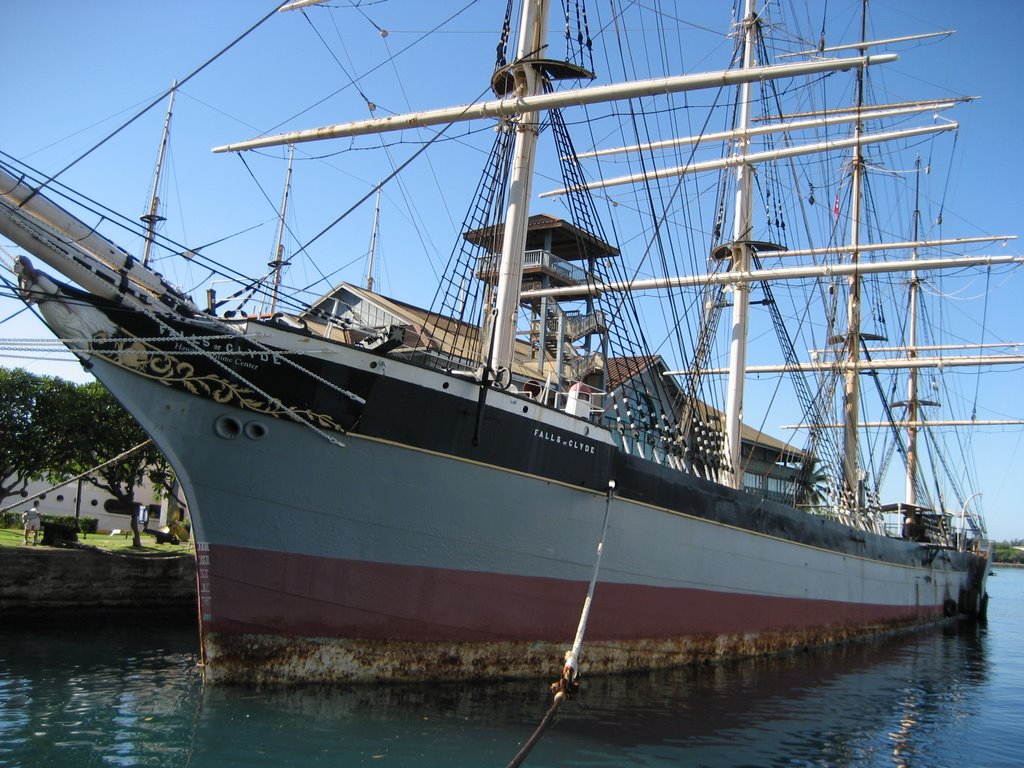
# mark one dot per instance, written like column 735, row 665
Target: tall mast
column 279, row 261
column 912, row 402
column 741, row 236
column 851, row 389
column 527, row 82
column 373, row 243
column 152, row 217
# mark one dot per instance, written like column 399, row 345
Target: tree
column 1007, row 552
column 106, row 435
column 812, row 485
column 36, row 441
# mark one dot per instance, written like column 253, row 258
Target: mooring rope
column 569, row 682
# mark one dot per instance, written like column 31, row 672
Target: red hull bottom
column 270, row 616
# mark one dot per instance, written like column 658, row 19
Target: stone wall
column 50, row 586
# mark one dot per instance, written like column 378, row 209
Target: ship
column 511, row 482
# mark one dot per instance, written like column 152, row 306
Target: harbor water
column 113, row 697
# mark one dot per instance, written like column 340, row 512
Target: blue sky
column 75, row 70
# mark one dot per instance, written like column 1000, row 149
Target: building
column 80, row 498
column 561, row 360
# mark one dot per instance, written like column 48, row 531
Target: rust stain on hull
column 256, row 658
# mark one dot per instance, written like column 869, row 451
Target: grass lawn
column 15, row 537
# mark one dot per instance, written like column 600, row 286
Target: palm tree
column 812, row 486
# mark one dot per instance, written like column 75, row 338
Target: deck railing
column 487, row 266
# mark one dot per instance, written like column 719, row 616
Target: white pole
column 575, row 97
column 760, row 130
column 781, row 273
column 885, row 364
column 278, row 261
column 963, row 520
column 912, row 403
column 532, row 39
column 741, row 235
column 373, row 243
column 851, row 384
column 153, row 214
column 759, row 157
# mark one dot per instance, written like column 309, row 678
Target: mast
column 373, row 243
column 912, row 404
column 851, row 388
column 742, row 228
column 528, row 82
column 152, row 217
column 279, row 262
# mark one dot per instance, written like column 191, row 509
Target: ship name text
column 568, row 442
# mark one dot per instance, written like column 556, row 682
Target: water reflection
column 892, row 703
column 136, row 698
column 854, row 706
column 103, row 697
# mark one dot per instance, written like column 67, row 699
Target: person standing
column 31, row 521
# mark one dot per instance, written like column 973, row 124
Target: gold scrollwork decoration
column 144, row 359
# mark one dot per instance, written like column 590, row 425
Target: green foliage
column 1006, row 552
column 37, row 441
column 83, row 524
column 111, row 440
column 12, row 519
column 53, row 429
column 812, row 485
column 106, row 430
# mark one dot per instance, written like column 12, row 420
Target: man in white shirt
column 31, row 521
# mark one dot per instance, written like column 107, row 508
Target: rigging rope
column 373, row 190
column 898, row 443
column 984, row 323
column 568, row 684
column 506, row 30
column 822, row 447
column 174, row 333
column 59, row 190
column 158, row 100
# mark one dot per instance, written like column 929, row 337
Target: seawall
column 75, row 586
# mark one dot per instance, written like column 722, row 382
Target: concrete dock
column 42, row 586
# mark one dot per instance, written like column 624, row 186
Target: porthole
column 445, row 385
column 526, row 409
column 60, row 497
column 227, row 427
column 373, row 364
column 255, row 430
